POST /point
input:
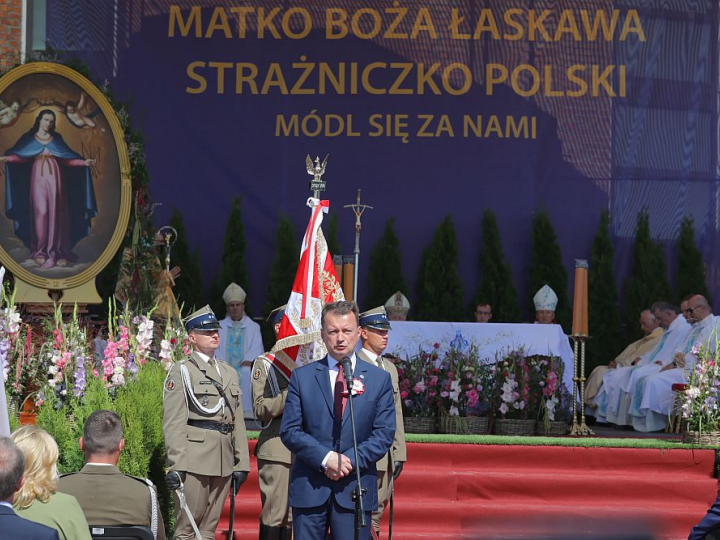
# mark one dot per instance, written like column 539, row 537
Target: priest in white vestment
column 612, row 399
column 240, row 342
column 652, row 331
column 653, row 396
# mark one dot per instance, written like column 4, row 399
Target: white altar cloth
column 492, row 339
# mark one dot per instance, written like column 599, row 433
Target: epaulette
column 145, row 481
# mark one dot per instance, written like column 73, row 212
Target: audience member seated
column 613, row 398
column 107, row 496
column 397, row 307
column 653, row 395
column 650, row 327
column 38, row 499
column 483, row 312
column 12, row 526
column 545, row 301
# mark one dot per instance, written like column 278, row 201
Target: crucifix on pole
column 358, row 209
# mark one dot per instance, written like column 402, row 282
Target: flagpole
column 358, row 209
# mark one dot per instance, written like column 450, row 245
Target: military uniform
column 273, row 458
column 109, row 497
column 203, row 439
column 398, row 450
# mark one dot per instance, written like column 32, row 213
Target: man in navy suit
column 12, row 526
column 316, row 428
column 709, row 526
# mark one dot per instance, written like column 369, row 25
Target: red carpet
column 470, row 491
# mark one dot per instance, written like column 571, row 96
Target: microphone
column 347, row 370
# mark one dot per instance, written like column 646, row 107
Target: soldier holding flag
column 269, row 389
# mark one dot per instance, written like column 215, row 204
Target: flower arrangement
column 528, row 387
column 65, row 357
column 174, row 345
column 419, row 383
column 18, row 367
column 548, row 372
column 445, row 381
column 129, row 345
column 700, row 408
column 460, row 371
column 512, row 386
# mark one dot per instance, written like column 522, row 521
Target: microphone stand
column 358, row 491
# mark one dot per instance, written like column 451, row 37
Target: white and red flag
column 316, row 284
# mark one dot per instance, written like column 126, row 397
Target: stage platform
column 494, row 491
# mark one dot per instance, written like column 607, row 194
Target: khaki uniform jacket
column 194, row 449
column 398, row 450
column 109, row 497
column 269, row 409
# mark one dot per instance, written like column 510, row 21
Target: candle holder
column 579, row 427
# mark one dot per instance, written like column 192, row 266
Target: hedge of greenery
column 139, row 404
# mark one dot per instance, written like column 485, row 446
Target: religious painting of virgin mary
column 65, row 192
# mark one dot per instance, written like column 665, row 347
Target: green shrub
column 139, row 404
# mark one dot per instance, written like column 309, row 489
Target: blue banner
column 430, row 108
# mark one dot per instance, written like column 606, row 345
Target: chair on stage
column 675, row 417
column 121, row 532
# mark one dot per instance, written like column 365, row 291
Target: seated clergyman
column 652, row 331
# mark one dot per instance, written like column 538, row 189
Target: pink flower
column 473, row 398
column 404, row 394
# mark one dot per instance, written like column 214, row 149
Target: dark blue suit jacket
column 13, row 527
column 710, row 523
column 307, row 429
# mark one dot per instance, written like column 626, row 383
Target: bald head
column 699, row 307
column 648, row 322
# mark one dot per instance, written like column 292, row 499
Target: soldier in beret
column 204, row 430
column 269, row 388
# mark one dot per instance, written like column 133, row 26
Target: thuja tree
column 233, row 269
column 648, row 281
column 690, row 265
column 604, row 309
column 496, row 285
column 188, row 288
column 282, row 272
column 546, row 268
column 385, row 276
column 439, row 286
column 332, row 235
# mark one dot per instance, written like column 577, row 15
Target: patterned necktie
column 340, row 394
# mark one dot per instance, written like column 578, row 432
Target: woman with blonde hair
column 38, row 500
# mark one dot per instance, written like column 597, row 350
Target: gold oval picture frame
column 65, row 189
